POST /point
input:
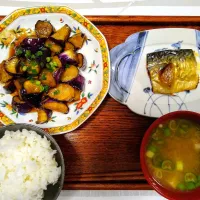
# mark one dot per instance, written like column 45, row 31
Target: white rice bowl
column 27, row 165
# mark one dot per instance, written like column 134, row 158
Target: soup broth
column 173, row 154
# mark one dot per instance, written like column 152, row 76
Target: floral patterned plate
column 97, row 73
column 130, row 83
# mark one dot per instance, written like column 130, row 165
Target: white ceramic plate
column 96, row 74
column 130, row 83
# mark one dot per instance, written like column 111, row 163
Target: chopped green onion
column 67, row 66
column 167, row 165
column 32, row 56
column 37, row 82
column 19, row 51
column 33, row 63
column 48, row 59
column 181, row 186
column 34, row 71
column 28, row 54
column 56, row 92
column 190, row 177
column 39, row 53
column 46, row 88
column 24, row 68
column 43, row 77
column 152, row 148
column 190, row 185
column 167, row 132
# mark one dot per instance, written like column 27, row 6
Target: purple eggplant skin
column 48, row 112
column 57, row 74
column 78, row 82
column 9, row 87
column 32, row 99
column 20, row 106
column 33, row 44
column 68, row 57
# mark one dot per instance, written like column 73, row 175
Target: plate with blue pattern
column 130, row 82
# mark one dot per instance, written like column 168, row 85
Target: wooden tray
column 103, row 153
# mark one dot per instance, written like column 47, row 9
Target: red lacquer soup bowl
column 165, row 192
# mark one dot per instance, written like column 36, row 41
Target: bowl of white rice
column 31, row 164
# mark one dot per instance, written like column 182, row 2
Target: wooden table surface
column 103, row 153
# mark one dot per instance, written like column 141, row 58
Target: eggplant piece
column 68, row 46
column 62, row 34
column 4, row 75
column 19, row 85
column 68, row 57
column 33, row 86
column 46, row 78
column 9, row 87
column 78, row 82
column 56, row 60
column 82, row 63
column 12, row 65
column 69, row 73
column 77, row 94
column 44, row 116
column 54, row 105
column 43, row 29
column 33, row 100
column 31, row 43
column 57, row 74
column 53, row 46
column 78, row 40
column 20, row 106
column 62, row 92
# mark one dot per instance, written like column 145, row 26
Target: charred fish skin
column 172, row 71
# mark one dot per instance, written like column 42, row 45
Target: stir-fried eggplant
column 43, row 29
column 4, row 75
column 33, row 99
column 9, row 87
column 58, row 73
column 77, row 94
column 54, row 105
column 44, row 71
column 20, row 106
column 70, row 73
column 78, row 40
column 43, row 116
column 68, row 46
column 46, row 78
column 69, row 57
column 33, row 86
column 82, row 63
column 19, row 85
column 53, row 46
column 62, row 92
column 78, row 82
column 62, row 34
column 12, row 65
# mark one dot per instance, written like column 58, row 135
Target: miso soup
column 173, row 154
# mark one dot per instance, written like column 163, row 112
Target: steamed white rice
column 27, row 165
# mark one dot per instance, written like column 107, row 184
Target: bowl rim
column 167, row 193
column 52, row 140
